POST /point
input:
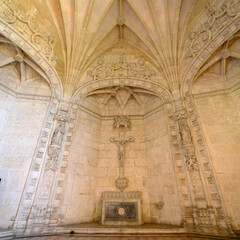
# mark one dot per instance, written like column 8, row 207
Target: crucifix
column 121, row 142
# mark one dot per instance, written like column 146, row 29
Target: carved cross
column 121, row 142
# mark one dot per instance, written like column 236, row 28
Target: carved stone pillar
column 39, row 210
column 35, row 172
column 47, row 186
column 207, row 216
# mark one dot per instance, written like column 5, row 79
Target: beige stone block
column 103, row 181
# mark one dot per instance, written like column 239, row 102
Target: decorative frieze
column 120, row 68
column 27, row 24
column 213, row 20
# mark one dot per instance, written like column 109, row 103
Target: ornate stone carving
column 53, row 153
column 122, row 195
column 121, row 142
column 215, row 18
column 54, row 149
column 121, row 183
column 190, row 159
column 121, row 120
column 185, row 132
column 26, row 23
column 159, row 205
column 120, row 68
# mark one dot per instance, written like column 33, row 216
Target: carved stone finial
column 122, row 120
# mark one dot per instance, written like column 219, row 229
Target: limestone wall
column 161, row 182
column 220, row 118
column 148, row 165
column 20, row 124
column 79, row 201
column 135, row 165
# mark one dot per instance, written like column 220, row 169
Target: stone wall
column 20, row 124
column 220, row 118
column 135, row 166
column 94, row 164
column 161, row 182
column 79, row 199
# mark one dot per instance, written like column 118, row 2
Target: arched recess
column 200, row 135
column 79, row 160
column 214, row 96
column 223, row 35
column 25, row 119
column 18, row 39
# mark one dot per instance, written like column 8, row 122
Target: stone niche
column 121, row 208
column 115, row 184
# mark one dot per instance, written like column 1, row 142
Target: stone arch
column 157, row 89
column 54, row 80
column 204, row 156
column 223, row 35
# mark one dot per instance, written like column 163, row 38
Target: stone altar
column 121, row 208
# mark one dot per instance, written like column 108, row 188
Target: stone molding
column 30, row 190
column 221, row 36
column 18, row 39
column 215, row 17
column 226, row 91
column 57, row 196
column 214, row 197
column 26, row 24
column 22, row 95
column 124, row 195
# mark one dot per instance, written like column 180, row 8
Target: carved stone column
column 40, row 208
column 35, row 172
column 205, row 215
column 47, row 186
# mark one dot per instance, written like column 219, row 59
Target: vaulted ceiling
column 156, row 28
column 159, row 30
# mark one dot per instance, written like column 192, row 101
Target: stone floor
column 75, row 237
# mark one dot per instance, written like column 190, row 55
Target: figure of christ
column 121, row 142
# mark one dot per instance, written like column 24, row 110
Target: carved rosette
column 121, row 183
